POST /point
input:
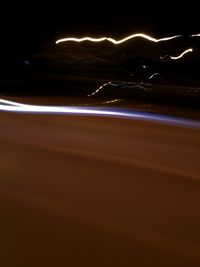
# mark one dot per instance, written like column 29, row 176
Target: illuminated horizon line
column 114, row 41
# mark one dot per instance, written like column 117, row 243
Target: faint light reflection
column 111, row 101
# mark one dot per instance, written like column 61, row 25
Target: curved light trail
column 11, row 106
column 102, row 86
column 117, row 42
column 182, row 54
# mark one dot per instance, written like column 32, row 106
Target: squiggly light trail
column 129, row 85
column 116, row 42
column 11, row 106
column 182, row 54
column 105, row 84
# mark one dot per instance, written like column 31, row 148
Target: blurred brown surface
column 93, row 191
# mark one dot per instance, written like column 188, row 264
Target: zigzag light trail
column 117, row 42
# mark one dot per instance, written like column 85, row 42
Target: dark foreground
column 92, row 191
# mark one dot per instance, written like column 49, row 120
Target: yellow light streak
column 117, row 42
column 78, row 40
column 111, row 101
column 102, row 86
column 182, row 54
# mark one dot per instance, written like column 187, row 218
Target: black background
column 27, row 26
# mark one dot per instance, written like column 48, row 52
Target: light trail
column 153, row 75
column 195, row 35
column 122, row 85
column 99, row 89
column 120, row 113
column 78, row 40
column 111, row 101
column 7, row 102
column 117, row 42
column 182, row 54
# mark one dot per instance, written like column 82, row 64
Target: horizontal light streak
column 11, row 106
column 117, row 42
column 195, row 35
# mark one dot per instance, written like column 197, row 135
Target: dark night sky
column 40, row 22
column 27, row 27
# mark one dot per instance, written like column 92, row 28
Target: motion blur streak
column 12, row 103
column 153, row 75
column 141, row 35
column 105, row 84
column 111, row 101
column 182, row 54
column 18, row 107
column 195, row 35
column 81, row 39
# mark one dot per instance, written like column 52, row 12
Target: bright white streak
column 182, row 54
column 195, row 35
column 19, row 107
column 136, row 35
column 78, row 40
column 12, row 103
column 153, row 75
column 26, row 108
column 111, row 101
column 142, row 35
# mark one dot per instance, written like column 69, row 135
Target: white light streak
column 195, row 35
column 12, row 103
column 182, row 54
column 11, row 106
column 153, row 75
column 78, row 40
column 117, row 42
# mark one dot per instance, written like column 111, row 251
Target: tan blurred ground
column 92, row 191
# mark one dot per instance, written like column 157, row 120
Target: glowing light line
column 98, row 89
column 182, row 54
column 116, row 42
column 26, row 108
column 195, row 35
column 142, row 35
column 12, row 103
column 122, row 85
column 111, row 101
column 153, row 75
column 78, row 40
